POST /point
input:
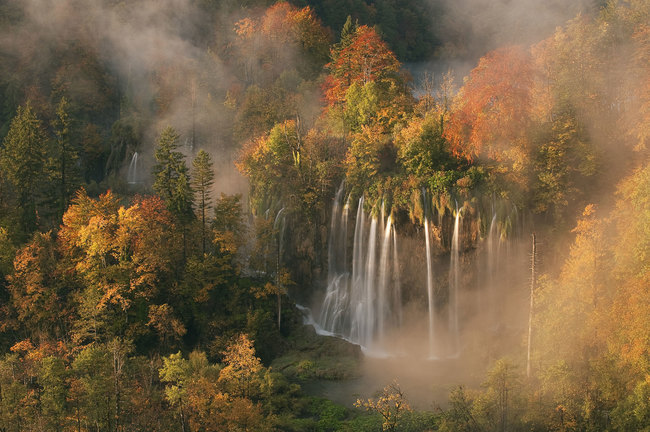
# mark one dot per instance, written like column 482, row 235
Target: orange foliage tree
column 364, row 59
column 492, row 108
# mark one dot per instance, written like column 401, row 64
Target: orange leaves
column 367, row 58
column 493, row 107
column 120, row 252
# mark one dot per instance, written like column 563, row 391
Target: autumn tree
column 227, row 225
column 490, row 116
column 366, row 58
column 36, row 295
column 242, row 367
column 391, row 404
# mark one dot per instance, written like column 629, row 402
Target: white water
column 364, row 306
column 132, row 175
column 454, row 281
column 430, row 297
column 364, row 302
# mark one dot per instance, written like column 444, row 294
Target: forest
column 324, row 215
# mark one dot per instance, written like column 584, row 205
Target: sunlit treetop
column 493, row 106
column 364, row 58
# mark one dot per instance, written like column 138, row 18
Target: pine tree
column 22, row 162
column 202, row 182
column 172, row 179
column 66, row 155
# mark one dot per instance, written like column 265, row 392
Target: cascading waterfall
column 492, row 263
column 363, row 306
column 279, row 226
column 454, row 269
column 363, row 302
column 430, row 296
column 132, row 175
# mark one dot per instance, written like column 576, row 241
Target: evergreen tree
column 172, row 178
column 22, row 162
column 202, row 182
column 66, row 155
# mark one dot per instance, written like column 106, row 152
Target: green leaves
column 23, row 161
column 172, row 178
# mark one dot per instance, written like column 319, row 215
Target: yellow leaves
column 245, row 28
column 161, row 317
column 390, row 404
column 240, row 375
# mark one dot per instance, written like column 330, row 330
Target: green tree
column 92, row 374
column 66, row 155
column 203, row 179
column 22, row 160
column 52, row 376
column 172, row 180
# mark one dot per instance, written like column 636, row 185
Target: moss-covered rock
column 318, row 357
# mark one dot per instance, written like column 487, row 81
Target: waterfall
column 370, row 286
column 397, row 300
column 336, row 297
column 357, row 283
column 279, row 226
column 384, row 270
column 363, row 300
column 132, row 175
column 430, row 297
column 492, row 267
column 454, row 281
column 364, row 306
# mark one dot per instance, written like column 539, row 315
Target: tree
column 51, row 377
column 172, row 180
column 365, row 58
column 22, row 160
column 66, row 155
column 203, row 179
column 33, row 287
column 176, row 372
column 390, row 404
column 92, row 372
column 240, row 374
column 228, row 225
column 491, row 113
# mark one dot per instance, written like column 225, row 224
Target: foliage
column 172, row 177
column 202, row 183
column 390, row 405
column 22, row 159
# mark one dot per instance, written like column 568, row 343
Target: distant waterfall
column 132, row 175
column 364, row 305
